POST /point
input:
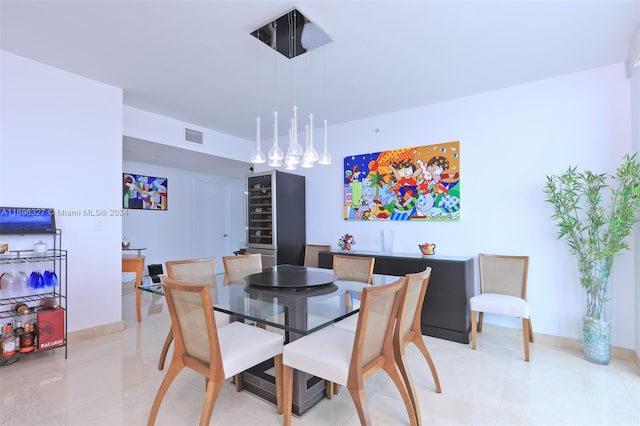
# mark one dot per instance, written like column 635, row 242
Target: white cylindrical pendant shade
column 275, row 153
column 258, row 156
column 325, row 157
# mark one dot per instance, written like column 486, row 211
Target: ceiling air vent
column 193, row 136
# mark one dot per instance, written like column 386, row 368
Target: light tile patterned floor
column 112, row 380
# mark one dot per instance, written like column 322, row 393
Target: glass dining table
column 291, row 300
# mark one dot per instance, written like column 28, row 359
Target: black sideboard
column 445, row 313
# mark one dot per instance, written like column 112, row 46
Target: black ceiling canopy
column 292, row 34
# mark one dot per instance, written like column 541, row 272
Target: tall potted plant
column 595, row 213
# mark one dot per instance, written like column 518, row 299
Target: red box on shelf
column 50, row 329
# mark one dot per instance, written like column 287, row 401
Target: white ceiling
column 195, row 60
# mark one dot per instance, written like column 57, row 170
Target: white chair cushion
column 325, row 354
column 316, row 320
column 349, row 323
column 242, row 346
column 222, row 319
column 500, row 304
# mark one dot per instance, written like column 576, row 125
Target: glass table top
column 298, row 309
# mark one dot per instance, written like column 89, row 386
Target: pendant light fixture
column 258, row 156
column 297, row 36
column 325, row 157
column 275, row 153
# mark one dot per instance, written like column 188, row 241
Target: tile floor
column 112, row 380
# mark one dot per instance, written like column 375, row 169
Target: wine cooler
column 275, row 217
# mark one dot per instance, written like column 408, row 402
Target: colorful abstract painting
column 144, row 192
column 419, row 183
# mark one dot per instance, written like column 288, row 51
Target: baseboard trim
column 101, row 330
column 576, row 345
column 563, row 342
column 568, row 343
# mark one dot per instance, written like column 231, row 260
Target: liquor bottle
column 34, row 330
column 18, row 329
column 27, row 339
column 8, row 342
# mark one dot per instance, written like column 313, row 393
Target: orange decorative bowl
column 427, row 249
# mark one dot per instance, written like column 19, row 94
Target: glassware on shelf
column 40, row 248
column 36, row 281
column 50, row 279
column 6, row 281
column 20, row 281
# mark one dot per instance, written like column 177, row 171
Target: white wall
column 178, row 236
column 168, row 131
column 61, row 147
column 171, row 234
column 509, row 140
column 635, row 124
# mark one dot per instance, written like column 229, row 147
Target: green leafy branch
column 596, row 232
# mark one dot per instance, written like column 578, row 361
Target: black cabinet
column 445, row 313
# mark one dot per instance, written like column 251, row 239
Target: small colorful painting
column 419, row 183
column 144, row 192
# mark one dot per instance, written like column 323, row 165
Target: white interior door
column 212, row 221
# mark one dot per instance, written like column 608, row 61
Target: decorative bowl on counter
column 427, row 249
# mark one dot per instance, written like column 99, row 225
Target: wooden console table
column 445, row 313
column 134, row 263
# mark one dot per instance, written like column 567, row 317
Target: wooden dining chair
column 237, row 267
column 503, row 291
column 354, row 268
column 351, row 268
column 216, row 353
column 196, row 271
column 408, row 330
column 311, row 252
column 347, row 358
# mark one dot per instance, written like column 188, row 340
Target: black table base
column 260, row 381
column 290, row 286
